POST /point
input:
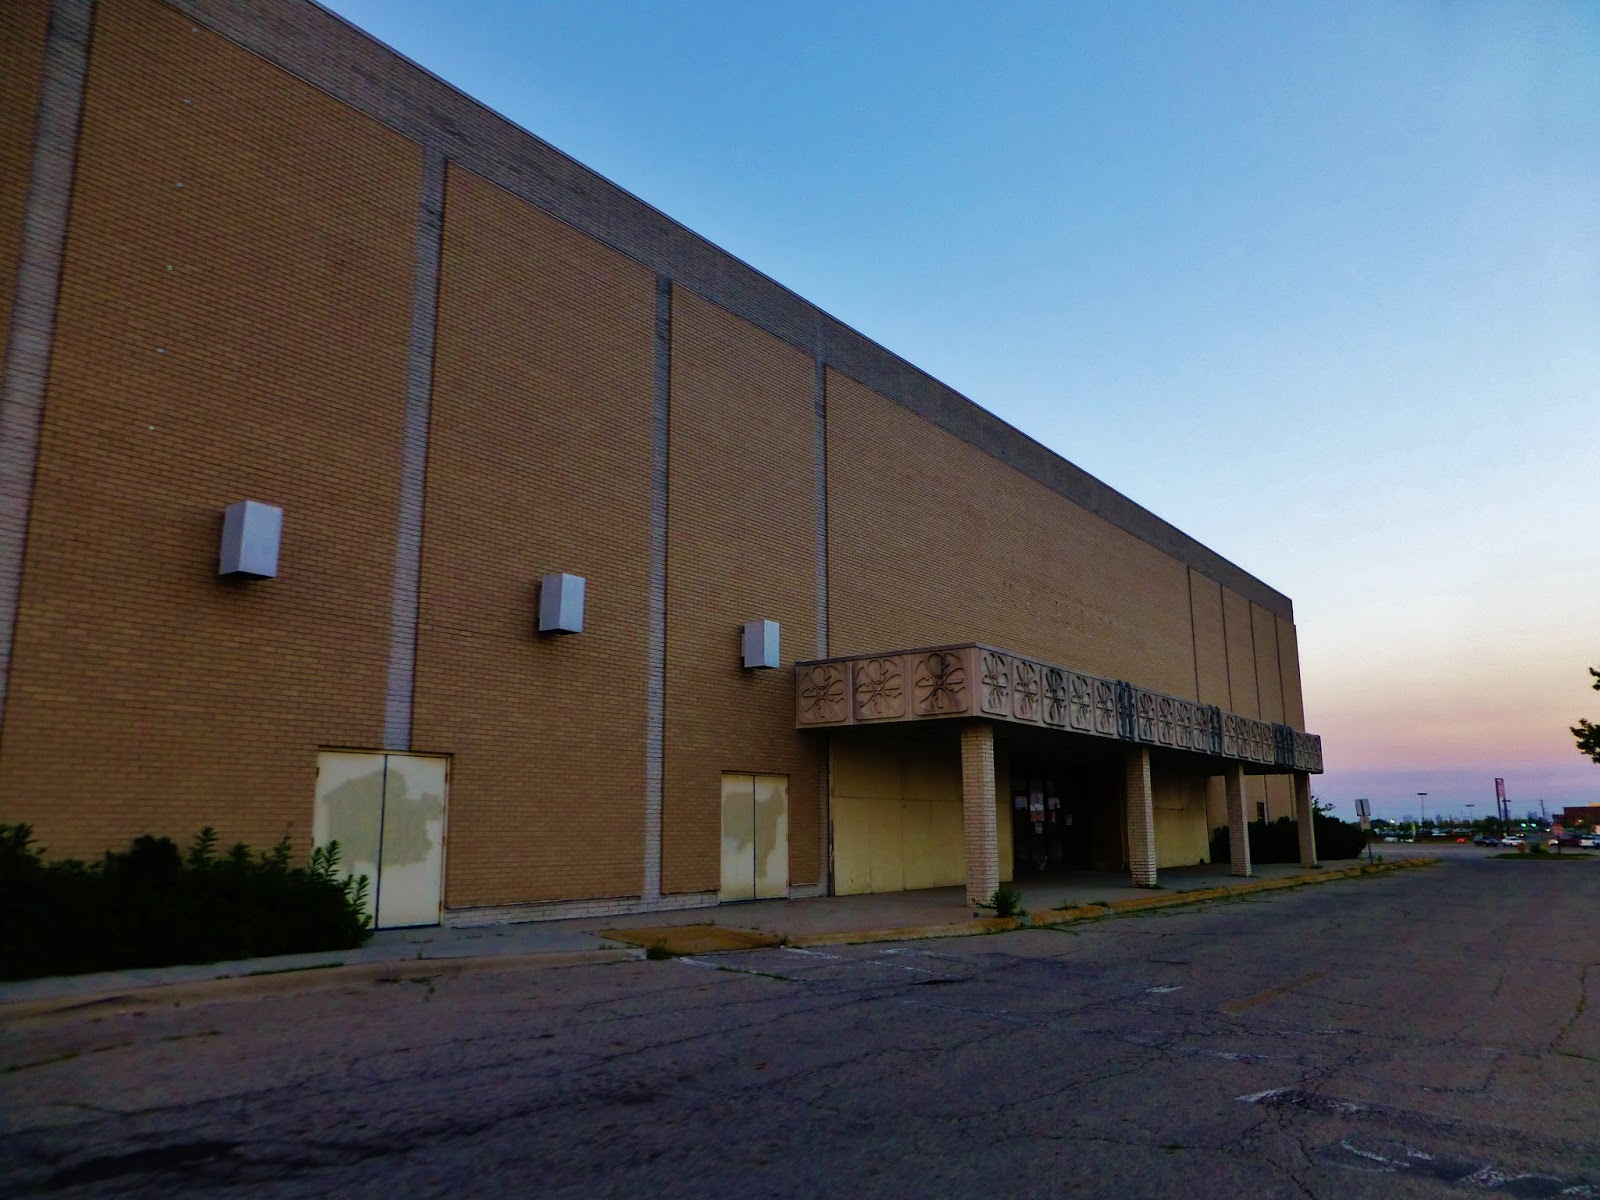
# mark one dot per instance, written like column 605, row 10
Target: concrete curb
column 1067, row 916
column 305, row 979
column 1052, row 918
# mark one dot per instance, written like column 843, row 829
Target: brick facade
column 301, row 271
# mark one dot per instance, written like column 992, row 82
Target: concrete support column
column 1238, row 820
column 1141, row 820
column 977, row 811
column 1303, row 818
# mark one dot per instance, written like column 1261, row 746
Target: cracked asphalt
column 1426, row 1033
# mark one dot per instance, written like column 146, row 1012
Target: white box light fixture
column 251, row 532
column 561, row 604
column 760, row 644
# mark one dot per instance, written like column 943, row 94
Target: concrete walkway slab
column 892, row 916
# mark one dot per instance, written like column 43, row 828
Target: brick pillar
column 1141, row 820
column 977, row 811
column 1238, row 820
column 1303, row 818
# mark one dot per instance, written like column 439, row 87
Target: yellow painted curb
column 1065, row 916
column 911, row 933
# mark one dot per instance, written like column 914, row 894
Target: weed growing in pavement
column 1006, row 901
column 658, row 952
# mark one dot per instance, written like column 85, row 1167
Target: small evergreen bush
column 152, row 906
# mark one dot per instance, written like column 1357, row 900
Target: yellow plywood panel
column 738, row 837
column 1182, row 839
column 771, row 837
column 933, row 771
column 866, row 768
column 1002, row 836
column 852, row 845
column 916, row 841
column 949, row 850
column 888, row 856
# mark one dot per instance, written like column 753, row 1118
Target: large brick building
column 247, row 253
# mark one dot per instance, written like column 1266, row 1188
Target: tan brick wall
column 539, row 461
column 268, row 362
column 1142, row 851
column 931, row 540
column 1265, row 634
column 22, row 33
column 979, row 818
column 1241, row 654
column 1289, row 653
column 1211, row 651
column 741, row 546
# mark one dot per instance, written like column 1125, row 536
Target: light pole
column 1422, row 807
column 1470, row 807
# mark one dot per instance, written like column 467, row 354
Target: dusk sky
column 1318, row 283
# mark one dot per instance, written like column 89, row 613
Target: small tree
column 1588, row 735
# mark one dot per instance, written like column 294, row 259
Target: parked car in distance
column 1486, row 839
column 1588, row 841
column 1516, row 839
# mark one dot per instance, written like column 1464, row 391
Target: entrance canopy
column 976, row 681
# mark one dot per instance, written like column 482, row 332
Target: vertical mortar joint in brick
column 656, row 685
column 1141, row 819
column 399, row 694
column 38, row 283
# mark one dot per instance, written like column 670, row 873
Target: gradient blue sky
column 1318, row 283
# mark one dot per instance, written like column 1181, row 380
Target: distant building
column 1583, row 816
column 375, row 472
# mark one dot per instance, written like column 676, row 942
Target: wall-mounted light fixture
column 760, row 644
column 561, row 604
column 251, row 532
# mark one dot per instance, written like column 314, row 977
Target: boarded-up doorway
column 387, row 813
column 755, row 837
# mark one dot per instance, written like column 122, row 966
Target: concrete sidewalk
column 452, row 950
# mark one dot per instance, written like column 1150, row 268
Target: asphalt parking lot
column 1427, row 1033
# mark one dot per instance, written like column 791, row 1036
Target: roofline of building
column 323, row 49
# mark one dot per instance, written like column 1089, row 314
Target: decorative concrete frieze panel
column 1025, row 690
column 880, row 689
column 1283, row 746
column 820, row 694
column 1059, row 699
column 1106, row 713
column 1166, row 720
column 940, row 685
column 1231, row 740
column 1261, row 741
column 1080, row 702
column 976, row 681
column 1145, row 727
column 994, row 692
column 1127, row 713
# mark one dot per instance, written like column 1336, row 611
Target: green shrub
column 152, row 906
column 1006, row 901
column 1279, row 841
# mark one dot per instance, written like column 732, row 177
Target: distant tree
column 1589, row 735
